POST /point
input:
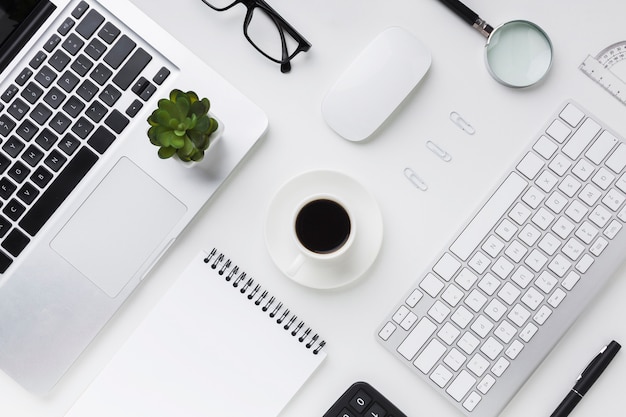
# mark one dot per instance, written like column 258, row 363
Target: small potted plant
column 181, row 126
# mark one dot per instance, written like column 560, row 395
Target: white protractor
column 608, row 69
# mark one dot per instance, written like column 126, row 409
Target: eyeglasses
column 266, row 30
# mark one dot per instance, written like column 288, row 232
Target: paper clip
column 443, row 155
column 461, row 123
column 415, row 179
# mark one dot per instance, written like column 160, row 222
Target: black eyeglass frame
column 281, row 24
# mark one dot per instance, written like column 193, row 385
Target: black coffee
column 323, row 226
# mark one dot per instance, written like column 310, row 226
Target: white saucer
column 367, row 217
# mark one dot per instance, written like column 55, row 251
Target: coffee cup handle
column 296, row 264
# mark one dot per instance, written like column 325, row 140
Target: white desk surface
column 416, row 223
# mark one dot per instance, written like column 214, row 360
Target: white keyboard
column 496, row 300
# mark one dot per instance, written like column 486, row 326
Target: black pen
column 586, row 379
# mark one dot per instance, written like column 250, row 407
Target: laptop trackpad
column 118, row 227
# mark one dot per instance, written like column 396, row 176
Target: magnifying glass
column 517, row 54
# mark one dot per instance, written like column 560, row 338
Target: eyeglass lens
column 265, row 34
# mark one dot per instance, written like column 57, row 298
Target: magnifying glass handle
column 469, row 16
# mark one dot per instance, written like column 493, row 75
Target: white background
column 416, row 223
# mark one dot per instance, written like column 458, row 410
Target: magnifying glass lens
column 518, row 53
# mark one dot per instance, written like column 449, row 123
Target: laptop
column 87, row 206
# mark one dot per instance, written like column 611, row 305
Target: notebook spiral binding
column 262, row 298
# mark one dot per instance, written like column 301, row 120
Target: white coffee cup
column 323, row 230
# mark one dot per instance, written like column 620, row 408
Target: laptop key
column 66, row 26
column 82, row 65
column 109, row 33
column 7, row 188
column 52, row 43
column 116, row 121
column 5, row 262
column 59, row 60
column 58, row 190
column 13, row 210
column 23, row 76
column 9, row 93
column 5, row 225
column 6, row 125
column 132, row 68
column 31, row 92
column 80, row 9
column 13, row 146
column 45, row 76
column 101, row 139
column 27, row 193
column 37, row 60
column 41, row 177
column 54, row 97
column 89, row 24
column 15, row 242
column 122, row 48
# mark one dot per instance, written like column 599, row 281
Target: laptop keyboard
column 61, row 111
column 495, row 301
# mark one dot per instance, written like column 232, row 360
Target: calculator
column 363, row 400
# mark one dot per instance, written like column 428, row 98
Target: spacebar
column 58, row 191
column 488, row 216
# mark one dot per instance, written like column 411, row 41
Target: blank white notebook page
column 207, row 349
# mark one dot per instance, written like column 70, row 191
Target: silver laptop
column 82, row 191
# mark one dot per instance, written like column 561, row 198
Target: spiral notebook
column 216, row 344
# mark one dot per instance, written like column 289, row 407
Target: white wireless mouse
column 371, row 88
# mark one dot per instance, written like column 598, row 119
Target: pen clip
column 591, row 364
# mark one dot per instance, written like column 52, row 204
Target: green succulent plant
column 181, row 126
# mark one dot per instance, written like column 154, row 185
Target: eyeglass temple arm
column 303, row 44
column 219, row 9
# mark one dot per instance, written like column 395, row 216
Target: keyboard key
column 55, row 160
column 417, row 338
column 23, row 76
column 80, row 9
column 109, row 33
column 132, row 68
column 101, row 74
column 7, row 188
column 617, row 161
column 87, row 90
column 41, row 114
column 54, row 97
column 82, row 65
column 52, row 43
column 6, row 125
column 96, row 111
column 488, row 216
column 430, row 356
column 65, row 27
column 13, row 210
column 41, row 177
column 95, row 49
column 13, row 146
column 581, row 139
column 116, row 121
column 572, row 115
column 461, row 385
column 89, row 24
column 68, row 81
column 45, row 76
column 58, row 190
column 601, row 147
column 72, row 44
column 15, row 242
column 161, row 76
column 120, row 51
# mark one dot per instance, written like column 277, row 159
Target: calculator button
column 360, row 401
